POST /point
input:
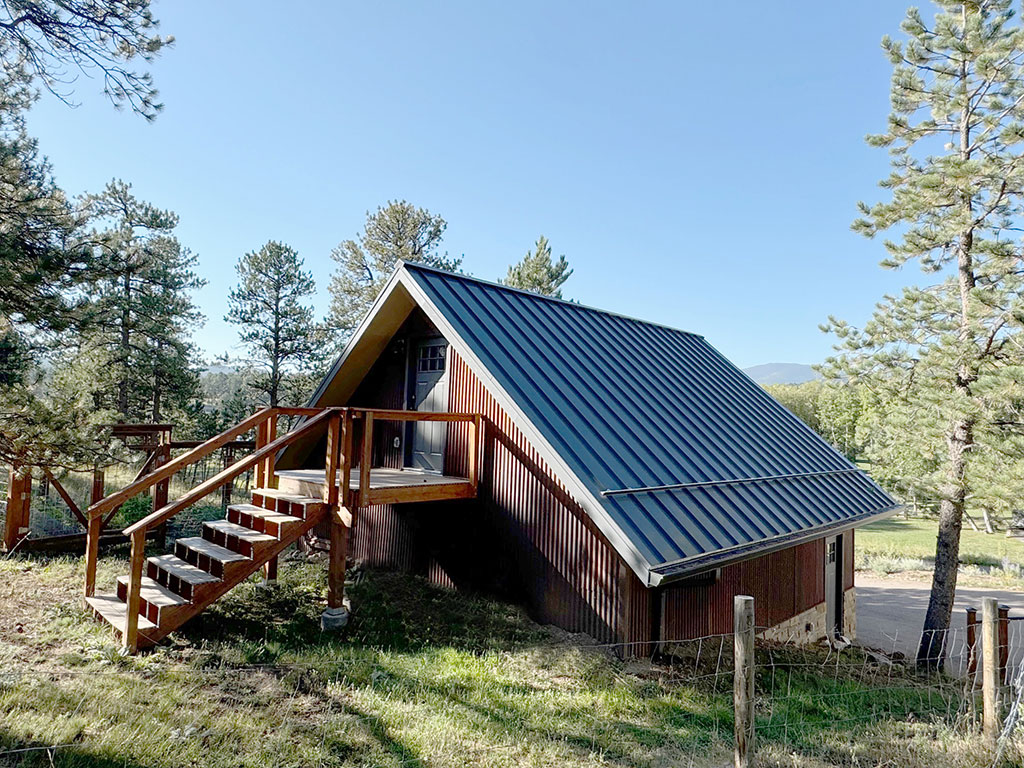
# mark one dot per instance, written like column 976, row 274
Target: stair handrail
column 175, row 465
column 211, row 484
column 105, row 506
column 137, row 531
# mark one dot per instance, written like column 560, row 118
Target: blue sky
column 698, row 164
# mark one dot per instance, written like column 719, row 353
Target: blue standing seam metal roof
column 629, row 404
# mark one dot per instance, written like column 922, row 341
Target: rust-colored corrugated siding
column 782, row 583
column 550, row 555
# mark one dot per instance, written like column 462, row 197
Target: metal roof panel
column 630, row 404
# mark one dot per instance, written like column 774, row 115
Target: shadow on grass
column 22, row 753
column 391, row 611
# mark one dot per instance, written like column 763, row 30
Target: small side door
column 429, row 392
column 834, row 586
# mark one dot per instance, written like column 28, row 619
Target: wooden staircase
column 178, row 586
column 161, row 593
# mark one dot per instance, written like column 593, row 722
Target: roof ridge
column 402, row 263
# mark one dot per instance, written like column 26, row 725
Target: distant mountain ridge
column 781, row 373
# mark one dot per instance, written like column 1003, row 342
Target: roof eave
column 667, row 573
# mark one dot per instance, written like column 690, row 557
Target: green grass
column 421, row 677
column 897, row 544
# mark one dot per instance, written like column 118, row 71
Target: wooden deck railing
column 339, row 459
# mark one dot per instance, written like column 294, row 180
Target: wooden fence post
column 990, row 669
column 743, row 680
column 19, row 506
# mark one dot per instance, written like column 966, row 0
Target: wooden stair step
column 263, row 520
column 226, row 526
column 157, row 601
column 178, row 575
column 237, row 538
column 288, row 503
column 114, row 611
column 211, row 557
column 152, row 591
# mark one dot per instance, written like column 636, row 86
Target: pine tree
column 944, row 358
column 537, row 271
column 42, row 276
column 275, row 322
column 48, row 40
column 142, row 312
column 396, row 231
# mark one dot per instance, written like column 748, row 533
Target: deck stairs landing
column 176, row 587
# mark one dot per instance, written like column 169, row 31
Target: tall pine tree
column 538, row 272
column 945, row 357
column 142, row 309
column 398, row 230
column 271, row 305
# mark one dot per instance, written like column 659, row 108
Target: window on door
column 431, row 358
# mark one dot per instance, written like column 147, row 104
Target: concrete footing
column 333, row 619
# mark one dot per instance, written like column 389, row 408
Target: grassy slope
column 422, row 677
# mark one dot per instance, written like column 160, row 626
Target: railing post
column 331, row 461
column 92, row 551
column 990, row 669
column 261, row 467
column 227, row 458
column 161, row 489
column 98, row 486
column 347, row 439
column 743, row 680
column 131, row 623
column 269, row 475
column 366, row 460
column 475, row 432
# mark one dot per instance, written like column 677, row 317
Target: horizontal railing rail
column 385, row 414
column 177, row 464
column 210, row 485
column 340, row 458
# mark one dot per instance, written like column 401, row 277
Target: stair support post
column 339, row 458
column 131, row 622
column 335, row 616
column 92, row 551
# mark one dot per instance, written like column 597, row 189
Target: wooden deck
column 387, row 486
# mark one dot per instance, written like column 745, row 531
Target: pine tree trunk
column 931, row 654
column 932, row 651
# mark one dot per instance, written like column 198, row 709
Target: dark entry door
column 834, row 586
column 429, row 393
